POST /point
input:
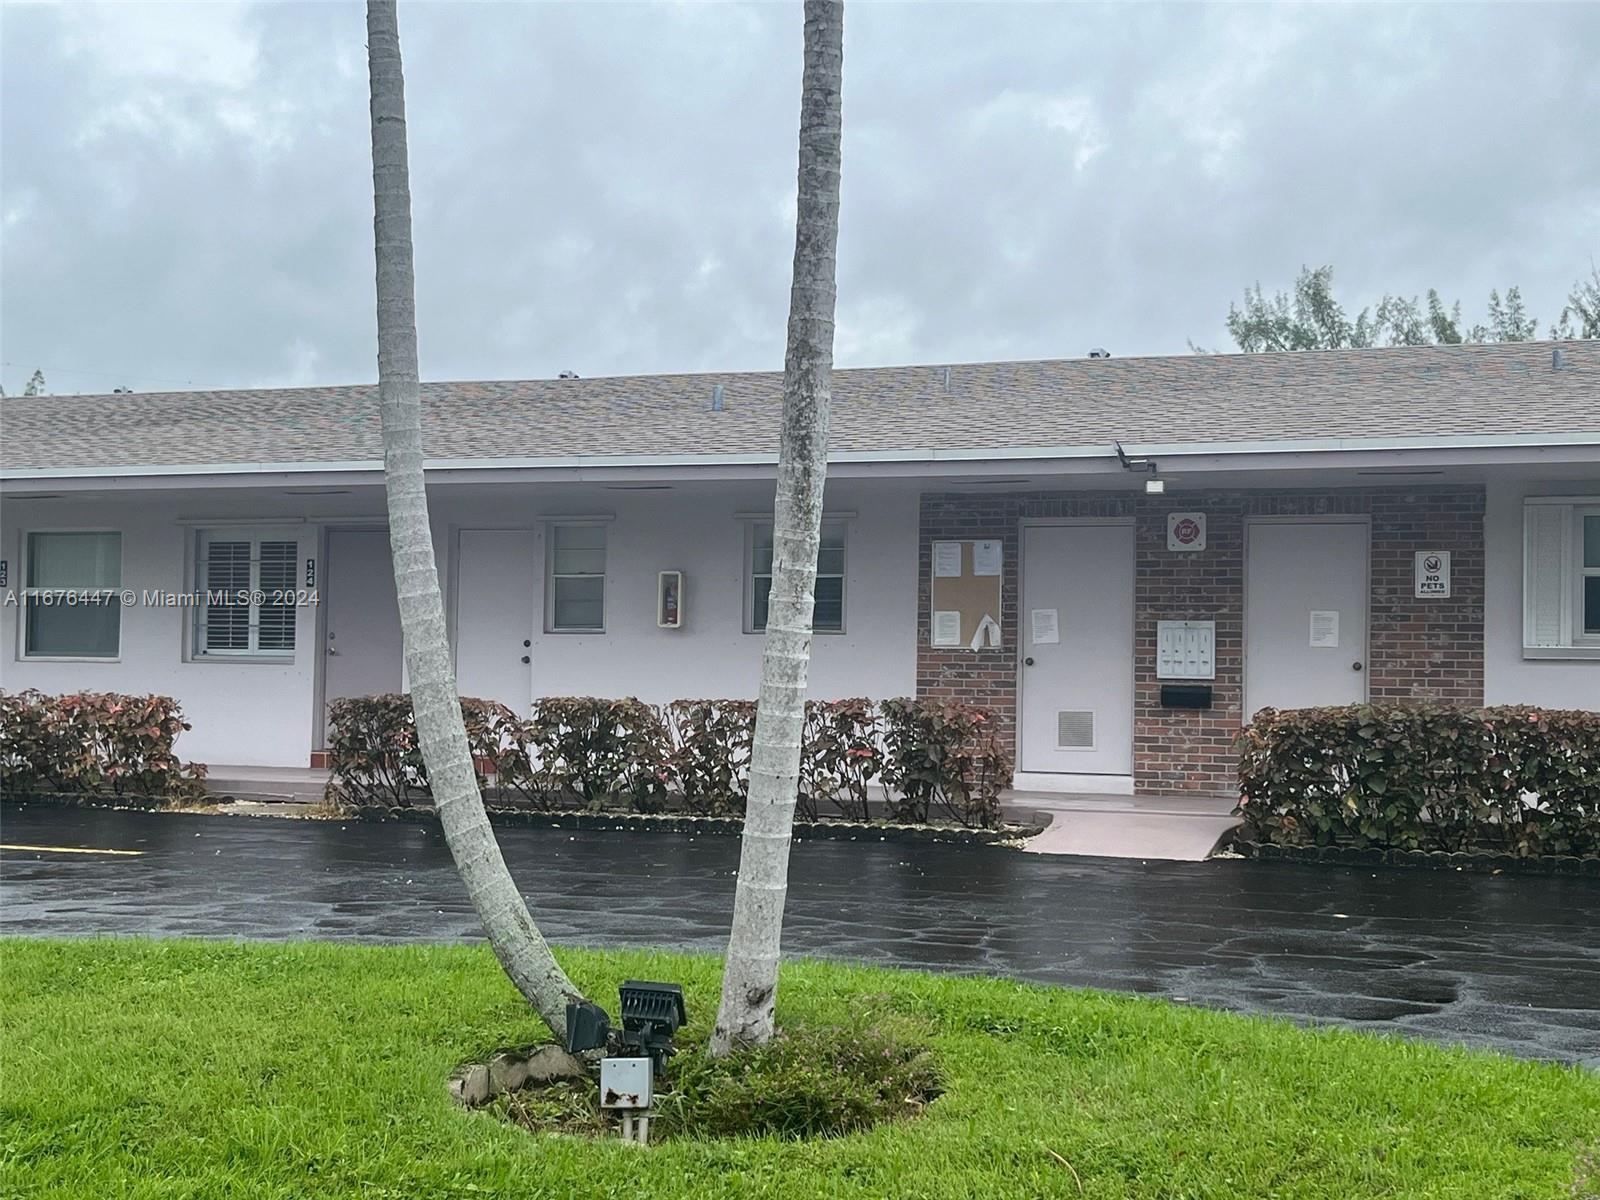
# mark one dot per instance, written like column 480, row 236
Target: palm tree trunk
column 750, row 978
column 517, row 941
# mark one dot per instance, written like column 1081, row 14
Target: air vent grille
column 1075, row 730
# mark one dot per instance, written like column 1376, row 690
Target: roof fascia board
column 1234, row 455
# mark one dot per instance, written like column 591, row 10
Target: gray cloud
column 185, row 193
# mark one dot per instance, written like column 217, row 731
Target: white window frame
column 829, row 521
column 25, row 592
column 550, row 576
column 199, row 539
column 1572, row 641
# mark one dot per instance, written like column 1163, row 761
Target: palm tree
column 750, row 978
column 517, row 941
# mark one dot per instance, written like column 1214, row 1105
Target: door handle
column 1355, row 666
column 1027, row 662
column 332, row 652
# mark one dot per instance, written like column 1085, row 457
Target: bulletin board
column 973, row 594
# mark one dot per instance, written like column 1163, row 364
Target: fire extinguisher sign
column 1433, row 574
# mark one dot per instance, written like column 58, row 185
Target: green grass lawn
column 199, row 1069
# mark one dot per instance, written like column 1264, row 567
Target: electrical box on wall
column 669, row 600
column 1186, row 649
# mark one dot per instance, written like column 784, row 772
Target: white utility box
column 1186, row 650
column 625, row 1082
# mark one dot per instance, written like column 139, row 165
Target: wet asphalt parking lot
column 1507, row 962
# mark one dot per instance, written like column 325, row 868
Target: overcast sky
column 608, row 188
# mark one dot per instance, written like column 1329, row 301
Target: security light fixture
column 1153, row 486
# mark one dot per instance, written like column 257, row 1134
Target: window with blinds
column 1561, row 578
column 246, row 587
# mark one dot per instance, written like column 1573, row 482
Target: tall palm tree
column 517, row 941
column 750, row 978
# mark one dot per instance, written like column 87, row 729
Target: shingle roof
column 1409, row 392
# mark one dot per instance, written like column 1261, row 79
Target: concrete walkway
column 1166, row 828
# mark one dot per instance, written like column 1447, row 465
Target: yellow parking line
column 67, row 849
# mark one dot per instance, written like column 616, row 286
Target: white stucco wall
column 264, row 713
column 1508, row 677
column 250, row 712
column 701, row 533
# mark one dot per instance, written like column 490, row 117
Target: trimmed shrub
column 609, row 755
column 840, row 756
column 712, row 741
column 374, row 755
column 603, row 753
column 943, row 755
column 1514, row 779
column 94, row 743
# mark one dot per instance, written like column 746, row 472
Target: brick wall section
column 1418, row 649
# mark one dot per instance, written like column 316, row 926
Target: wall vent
column 1075, row 730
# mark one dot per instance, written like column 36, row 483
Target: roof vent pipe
column 716, row 397
column 946, row 375
column 1555, row 359
column 1099, row 352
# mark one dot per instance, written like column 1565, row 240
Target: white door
column 1305, row 614
column 497, row 580
column 365, row 654
column 1077, row 691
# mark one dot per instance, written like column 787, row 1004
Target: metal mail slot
column 1185, row 695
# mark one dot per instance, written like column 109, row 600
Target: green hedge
column 1517, row 780
column 625, row 755
column 94, row 744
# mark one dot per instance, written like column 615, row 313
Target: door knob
column 1355, row 666
column 1027, row 662
column 526, row 659
column 332, row 651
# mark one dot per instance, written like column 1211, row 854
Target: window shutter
column 275, row 628
column 1546, row 534
column 227, row 612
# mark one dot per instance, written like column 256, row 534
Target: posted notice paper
column 1046, row 629
column 947, row 560
column 986, row 558
column 947, row 629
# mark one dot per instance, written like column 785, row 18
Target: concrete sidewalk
column 1169, row 828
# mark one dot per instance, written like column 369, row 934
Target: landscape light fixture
column 652, row 1014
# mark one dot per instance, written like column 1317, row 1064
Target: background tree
column 517, row 942
column 750, row 977
column 35, row 385
column 1312, row 318
column 1581, row 317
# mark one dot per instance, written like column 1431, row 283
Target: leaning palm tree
column 517, row 941
column 750, row 978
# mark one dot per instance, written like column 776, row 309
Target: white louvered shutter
column 227, row 611
column 1547, row 533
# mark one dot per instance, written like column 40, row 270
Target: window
column 71, row 598
column 828, row 614
column 245, row 581
column 1562, row 578
column 577, row 600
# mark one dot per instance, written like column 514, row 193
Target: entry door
column 1305, row 614
column 1077, row 691
column 497, row 580
column 365, row 654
